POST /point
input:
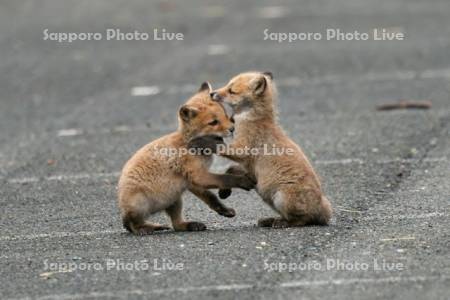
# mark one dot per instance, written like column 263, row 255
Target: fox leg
column 134, row 217
column 266, row 222
column 213, row 202
column 236, row 170
column 206, row 180
column 276, row 203
column 280, row 222
column 179, row 224
column 233, row 170
column 199, row 176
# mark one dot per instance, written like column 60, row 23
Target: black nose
column 232, row 129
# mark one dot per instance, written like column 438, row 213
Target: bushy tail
column 325, row 213
column 127, row 222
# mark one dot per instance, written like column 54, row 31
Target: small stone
column 272, row 12
column 145, row 90
column 218, row 49
column 70, row 132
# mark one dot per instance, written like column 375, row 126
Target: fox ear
column 187, row 113
column 268, row 74
column 258, row 85
column 205, row 87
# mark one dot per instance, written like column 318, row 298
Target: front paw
column 246, row 183
column 227, row 212
column 195, row 226
column 279, row 223
column 224, row 193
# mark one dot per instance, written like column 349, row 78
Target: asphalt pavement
column 72, row 113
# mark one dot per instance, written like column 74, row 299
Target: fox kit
column 286, row 182
column 154, row 180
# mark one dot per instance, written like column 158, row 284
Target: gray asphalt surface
column 69, row 120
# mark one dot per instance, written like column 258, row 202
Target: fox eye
column 231, row 91
column 213, row 123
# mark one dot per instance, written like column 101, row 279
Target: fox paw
column 195, row 226
column 227, row 212
column 280, row 223
column 224, row 194
column 149, row 229
column 161, row 227
column 265, row 222
column 246, row 183
column 273, row 222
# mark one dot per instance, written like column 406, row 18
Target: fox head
column 252, row 93
column 202, row 116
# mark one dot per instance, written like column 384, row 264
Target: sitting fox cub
column 152, row 181
column 286, row 182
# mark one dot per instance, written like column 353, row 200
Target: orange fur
column 154, row 180
column 287, row 183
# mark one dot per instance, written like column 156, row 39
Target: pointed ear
column 268, row 74
column 258, row 85
column 205, row 87
column 187, row 113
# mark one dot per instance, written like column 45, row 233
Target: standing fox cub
column 287, row 182
column 154, row 180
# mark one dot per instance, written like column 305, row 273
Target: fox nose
column 231, row 129
column 215, row 96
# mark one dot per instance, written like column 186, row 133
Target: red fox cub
column 156, row 176
column 286, row 182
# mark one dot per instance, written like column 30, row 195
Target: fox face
column 201, row 116
column 246, row 91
